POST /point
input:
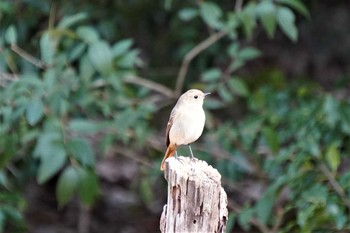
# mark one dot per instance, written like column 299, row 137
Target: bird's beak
column 205, row 94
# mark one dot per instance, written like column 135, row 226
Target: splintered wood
column 196, row 200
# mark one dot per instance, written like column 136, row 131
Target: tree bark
column 196, row 200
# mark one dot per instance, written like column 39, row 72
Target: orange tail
column 170, row 151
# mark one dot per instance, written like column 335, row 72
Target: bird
column 186, row 123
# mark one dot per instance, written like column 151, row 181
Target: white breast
column 187, row 126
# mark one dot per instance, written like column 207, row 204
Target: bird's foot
column 176, row 156
column 192, row 156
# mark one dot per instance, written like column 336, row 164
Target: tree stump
column 196, row 200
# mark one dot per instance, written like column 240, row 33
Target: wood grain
column 196, row 201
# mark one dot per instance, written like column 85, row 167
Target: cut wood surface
column 196, row 201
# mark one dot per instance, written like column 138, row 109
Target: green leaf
column 312, row 146
column 264, row 207
column 236, row 64
column 248, row 53
column 230, row 222
column 317, row 194
column 247, row 17
column 30, row 136
column 47, row 47
column 146, row 191
column 2, row 221
column 129, row 60
column 51, row 152
column 11, row 35
column 122, row 47
column 341, row 220
column 345, row 119
column 88, row 186
column 311, row 199
column 232, row 23
column 233, row 49
column 35, row 111
column 66, row 185
column 86, row 126
column 82, row 151
column 238, row 86
column 46, row 143
column 267, row 12
column 331, row 110
column 51, row 164
column 297, row 5
column 4, row 182
column 213, row 103
column 100, row 56
column 333, row 157
column 11, row 213
column 271, row 139
column 86, row 69
column 88, row 34
column 224, row 93
column 211, row 75
column 76, row 52
column 286, row 21
column 344, row 180
column 188, row 14
column 304, row 216
column 70, row 20
column 244, row 217
column 211, row 14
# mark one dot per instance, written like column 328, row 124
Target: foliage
column 50, row 113
column 69, row 93
column 291, row 145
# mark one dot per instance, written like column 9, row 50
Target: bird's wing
column 168, row 127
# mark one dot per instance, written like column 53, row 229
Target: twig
column 52, row 15
column 279, row 218
column 38, row 63
column 192, row 54
column 139, row 81
column 132, row 155
column 334, row 183
column 151, row 85
column 8, row 77
column 238, row 5
column 156, row 142
column 84, row 219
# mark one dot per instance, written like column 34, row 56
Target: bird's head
column 193, row 97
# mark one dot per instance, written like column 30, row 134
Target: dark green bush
column 292, row 145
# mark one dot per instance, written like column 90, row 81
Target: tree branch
column 238, row 5
column 8, row 77
column 192, row 54
column 149, row 84
column 38, row 63
column 133, row 156
column 334, row 183
column 84, row 220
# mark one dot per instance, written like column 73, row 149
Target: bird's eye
column 196, row 96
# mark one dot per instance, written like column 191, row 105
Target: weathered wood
column 196, row 200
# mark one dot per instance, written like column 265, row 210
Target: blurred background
column 86, row 89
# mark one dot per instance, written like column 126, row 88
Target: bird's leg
column 192, row 157
column 176, row 156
